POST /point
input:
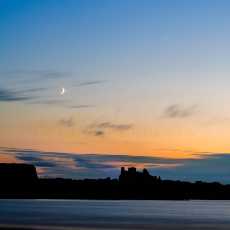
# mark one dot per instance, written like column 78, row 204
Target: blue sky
column 141, row 77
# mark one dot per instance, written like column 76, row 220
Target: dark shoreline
column 20, row 181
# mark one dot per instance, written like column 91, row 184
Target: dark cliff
column 17, row 172
column 17, row 180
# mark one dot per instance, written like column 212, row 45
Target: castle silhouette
column 132, row 177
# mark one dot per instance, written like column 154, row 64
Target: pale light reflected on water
column 86, row 214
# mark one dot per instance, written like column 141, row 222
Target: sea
column 121, row 214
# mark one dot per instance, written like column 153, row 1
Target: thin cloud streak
column 81, row 106
column 88, row 83
column 35, row 96
column 35, row 74
column 101, row 128
column 178, row 111
column 109, row 125
column 10, row 96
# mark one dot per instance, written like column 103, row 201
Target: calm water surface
column 84, row 214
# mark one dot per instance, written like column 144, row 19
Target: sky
column 146, row 84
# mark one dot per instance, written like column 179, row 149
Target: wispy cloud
column 81, row 106
column 33, row 75
column 7, row 95
column 98, row 133
column 31, row 90
column 178, row 111
column 100, row 129
column 67, row 122
column 88, row 83
column 30, row 96
column 109, row 125
column 46, row 101
column 36, row 96
column 28, row 86
column 36, row 160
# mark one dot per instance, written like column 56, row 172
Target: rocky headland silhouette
column 21, row 181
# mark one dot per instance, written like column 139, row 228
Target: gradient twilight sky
column 142, row 77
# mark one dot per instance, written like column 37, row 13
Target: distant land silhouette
column 21, row 181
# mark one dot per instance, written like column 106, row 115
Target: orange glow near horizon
column 163, row 140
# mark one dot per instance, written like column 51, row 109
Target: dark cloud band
column 206, row 166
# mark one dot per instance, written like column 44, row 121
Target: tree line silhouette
column 21, row 181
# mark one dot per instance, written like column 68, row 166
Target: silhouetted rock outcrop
column 17, row 172
column 17, row 180
column 20, row 181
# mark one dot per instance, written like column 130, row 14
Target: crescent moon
column 62, row 91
